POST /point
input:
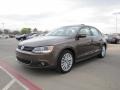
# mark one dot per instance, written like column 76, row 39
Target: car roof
column 79, row 25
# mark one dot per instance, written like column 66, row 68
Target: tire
column 116, row 41
column 103, row 52
column 65, row 65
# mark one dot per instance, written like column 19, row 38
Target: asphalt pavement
column 92, row 74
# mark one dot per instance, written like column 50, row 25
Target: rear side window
column 95, row 32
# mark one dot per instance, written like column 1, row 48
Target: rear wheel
column 103, row 52
column 65, row 61
column 116, row 41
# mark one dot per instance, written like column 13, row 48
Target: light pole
column 116, row 20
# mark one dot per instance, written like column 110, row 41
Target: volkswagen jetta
column 62, row 47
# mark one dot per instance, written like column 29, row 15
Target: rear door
column 96, row 39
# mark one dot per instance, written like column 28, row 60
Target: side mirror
column 80, row 36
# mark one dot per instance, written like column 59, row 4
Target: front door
column 84, row 44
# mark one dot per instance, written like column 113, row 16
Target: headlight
column 44, row 49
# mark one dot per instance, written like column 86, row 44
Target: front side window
column 64, row 31
column 85, row 31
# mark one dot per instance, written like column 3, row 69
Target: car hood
column 44, row 40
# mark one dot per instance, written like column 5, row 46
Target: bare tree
column 35, row 30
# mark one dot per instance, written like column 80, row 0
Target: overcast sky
column 49, row 14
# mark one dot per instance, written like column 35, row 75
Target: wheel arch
column 70, row 49
column 105, row 45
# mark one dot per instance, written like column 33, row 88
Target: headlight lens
column 45, row 49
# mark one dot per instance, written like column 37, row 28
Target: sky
column 50, row 14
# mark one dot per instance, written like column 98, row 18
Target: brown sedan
column 62, row 47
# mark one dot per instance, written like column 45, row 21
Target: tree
column 35, row 30
column 25, row 30
column 16, row 32
column 6, row 31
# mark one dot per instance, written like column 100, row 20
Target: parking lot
column 9, row 82
column 92, row 74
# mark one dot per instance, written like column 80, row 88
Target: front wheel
column 65, row 61
column 103, row 52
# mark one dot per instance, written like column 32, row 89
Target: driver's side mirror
column 80, row 36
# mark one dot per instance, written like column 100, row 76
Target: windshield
column 64, row 31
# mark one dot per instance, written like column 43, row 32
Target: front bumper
column 35, row 60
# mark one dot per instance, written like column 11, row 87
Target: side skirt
column 87, row 57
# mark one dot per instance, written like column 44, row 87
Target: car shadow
column 86, row 62
column 53, row 72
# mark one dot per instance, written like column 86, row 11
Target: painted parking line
column 9, row 84
column 12, row 81
column 18, row 77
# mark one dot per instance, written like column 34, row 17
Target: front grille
column 26, row 48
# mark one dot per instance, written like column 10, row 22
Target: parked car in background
column 0, row 36
column 4, row 36
column 21, row 37
column 113, row 38
column 11, row 36
column 26, row 36
column 106, row 36
column 62, row 48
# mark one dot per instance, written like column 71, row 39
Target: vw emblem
column 22, row 47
